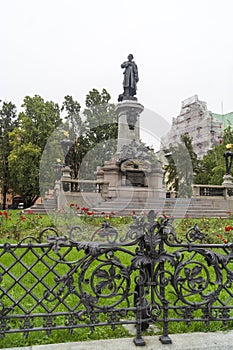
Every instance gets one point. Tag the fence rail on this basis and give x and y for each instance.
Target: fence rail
(145, 276)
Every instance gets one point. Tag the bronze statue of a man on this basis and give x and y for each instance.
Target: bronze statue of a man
(130, 79)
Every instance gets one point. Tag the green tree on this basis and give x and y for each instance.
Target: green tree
(35, 124)
(182, 166)
(75, 127)
(24, 163)
(212, 166)
(7, 124)
(74, 123)
(100, 131)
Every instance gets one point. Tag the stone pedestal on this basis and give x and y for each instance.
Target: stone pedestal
(227, 180)
(134, 174)
(128, 113)
(112, 176)
(155, 179)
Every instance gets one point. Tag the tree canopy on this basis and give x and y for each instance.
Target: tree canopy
(100, 131)
(7, 124)
(30, 141)
(212, 166)
(30, 144)
(182, 166)
(35, 123)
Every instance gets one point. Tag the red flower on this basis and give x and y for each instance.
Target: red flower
(133, 212)
(90, 213)
(228, 228)
(71, 204)
(102, 212)
(165, 216)
(112, 213)
(0, 213)
(30, 211)
(222, 239)
(5, 214)
(84, 209)
(22, 218)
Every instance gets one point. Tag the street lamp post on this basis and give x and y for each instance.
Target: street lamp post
(57, 168)
(66, 145)
(228, 155)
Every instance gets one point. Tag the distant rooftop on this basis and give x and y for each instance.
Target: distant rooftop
(225, 119)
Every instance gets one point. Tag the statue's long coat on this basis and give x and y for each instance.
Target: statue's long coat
(130, 75)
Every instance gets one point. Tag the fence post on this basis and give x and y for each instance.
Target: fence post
(165, 339)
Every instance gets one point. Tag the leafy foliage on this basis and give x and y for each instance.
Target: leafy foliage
(181, 167)
(73, 119)
(100, 131)
(212, 166)
(7, 124)
(35, 124)
(24, 139)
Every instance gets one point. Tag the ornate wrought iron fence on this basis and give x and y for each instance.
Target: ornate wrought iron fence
(148, 275)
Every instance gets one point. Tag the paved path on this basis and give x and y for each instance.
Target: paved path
(188, 341)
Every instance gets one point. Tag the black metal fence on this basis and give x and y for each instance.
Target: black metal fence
(146, 276)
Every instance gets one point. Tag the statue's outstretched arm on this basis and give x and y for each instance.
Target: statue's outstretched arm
(124, 64)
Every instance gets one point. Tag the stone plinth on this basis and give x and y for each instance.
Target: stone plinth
(112, 175)
(128, 113)
(227, 180)
(134, 178)
(155, 178)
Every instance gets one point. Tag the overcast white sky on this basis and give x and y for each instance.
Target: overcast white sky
(59, 47)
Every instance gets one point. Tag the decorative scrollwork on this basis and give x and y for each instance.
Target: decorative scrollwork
(5, 310)
(193, 277)
(49, 324)
(57, 242)
(105, 232)
(148, 275)
(26, 324)
(48, 231)
(194, 234)
(109, 279)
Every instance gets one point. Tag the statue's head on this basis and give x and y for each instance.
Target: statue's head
(130, 57)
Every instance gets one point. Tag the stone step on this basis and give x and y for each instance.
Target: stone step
(175, 214)
(177, 207)
(42, 208)
(153, 206)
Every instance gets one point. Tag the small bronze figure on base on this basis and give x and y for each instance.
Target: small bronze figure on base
(130, 80)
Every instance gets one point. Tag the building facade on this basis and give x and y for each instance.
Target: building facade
(199, 123)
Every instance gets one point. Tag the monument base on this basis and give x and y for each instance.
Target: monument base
(128, 113)
(132, 182)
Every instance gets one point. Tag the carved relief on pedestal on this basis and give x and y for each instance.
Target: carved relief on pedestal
(136, 165)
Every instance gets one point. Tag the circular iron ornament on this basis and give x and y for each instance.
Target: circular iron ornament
(109, 280)
(193, 277)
